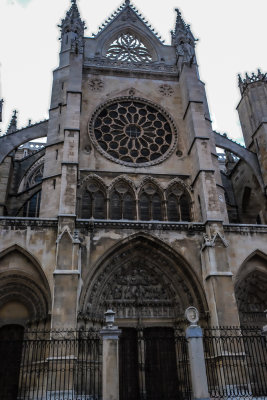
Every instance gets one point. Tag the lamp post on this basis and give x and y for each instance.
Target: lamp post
(110, 319)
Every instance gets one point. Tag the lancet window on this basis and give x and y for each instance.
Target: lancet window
(150, 203)
(178, 204)
(122, 202)
(93, 204)
(31, 208)
(128, 48)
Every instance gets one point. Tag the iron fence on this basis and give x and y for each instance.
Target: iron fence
(58, 365)
(236, 363)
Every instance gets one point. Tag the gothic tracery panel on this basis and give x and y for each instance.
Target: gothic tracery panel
(127, 47)
(133, 132)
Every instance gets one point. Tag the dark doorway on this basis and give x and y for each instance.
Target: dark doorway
(148, 365)
(11, 340)
(128, 356)
(160, 365)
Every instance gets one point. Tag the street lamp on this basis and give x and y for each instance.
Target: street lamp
(109, 318)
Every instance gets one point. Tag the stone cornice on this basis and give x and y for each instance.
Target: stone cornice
(141, 225)
(245, 228)
(191, 227)
(21, 222)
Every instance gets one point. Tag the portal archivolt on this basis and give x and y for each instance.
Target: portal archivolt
(142, 280)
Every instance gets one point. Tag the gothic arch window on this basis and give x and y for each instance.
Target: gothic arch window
(31, 208)
(93, 202)
(128, 47)
(36, 177)
(122, 202)
(178, 204)
(150, 203)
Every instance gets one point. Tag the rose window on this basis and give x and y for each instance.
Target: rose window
(133, 133)
(129, 48)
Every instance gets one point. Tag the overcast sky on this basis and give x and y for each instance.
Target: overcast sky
(231, 33)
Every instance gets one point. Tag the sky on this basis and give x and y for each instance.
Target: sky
(231, 33)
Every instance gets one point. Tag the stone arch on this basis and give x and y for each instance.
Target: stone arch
(142, 278)
(251, 288)
(246, 155)
(23, 285)
(14, 140)
(124, 179)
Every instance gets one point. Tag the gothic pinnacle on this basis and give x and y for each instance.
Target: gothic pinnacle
(13, 123)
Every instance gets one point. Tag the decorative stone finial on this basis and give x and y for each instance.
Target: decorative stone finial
(72, 22)
(72, 28)
(13, 123)
(127, 2)
(183, 40)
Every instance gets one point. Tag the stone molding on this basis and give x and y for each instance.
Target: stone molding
(193, 227)
(153, 67)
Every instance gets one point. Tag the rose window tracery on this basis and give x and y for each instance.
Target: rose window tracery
(133, 132)
(127, 47)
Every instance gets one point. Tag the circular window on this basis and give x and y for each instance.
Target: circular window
(133, 132)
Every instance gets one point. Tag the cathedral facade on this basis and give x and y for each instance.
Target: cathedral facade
(129, 206)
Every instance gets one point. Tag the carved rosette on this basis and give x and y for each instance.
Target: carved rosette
(166, 90)
(96, 85)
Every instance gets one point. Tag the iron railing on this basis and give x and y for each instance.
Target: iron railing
(236, 363)
(58, 365)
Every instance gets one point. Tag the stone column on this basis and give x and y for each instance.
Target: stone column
(264, 329)
(196, 356)
(110, 383)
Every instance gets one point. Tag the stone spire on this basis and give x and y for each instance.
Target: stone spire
(13, 123)
(72, 29)
(183, 40)
(72, 22)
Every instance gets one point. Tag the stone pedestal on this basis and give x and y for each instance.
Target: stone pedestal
(197, 363)
(110, 385)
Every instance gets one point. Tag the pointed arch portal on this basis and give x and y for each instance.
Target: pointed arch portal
(251, 288)
(142, 279)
